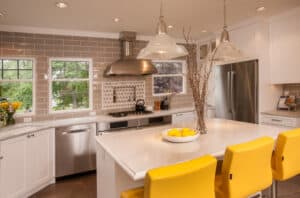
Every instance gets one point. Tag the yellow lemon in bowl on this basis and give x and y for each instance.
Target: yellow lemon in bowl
(174, 133)
(184, 132)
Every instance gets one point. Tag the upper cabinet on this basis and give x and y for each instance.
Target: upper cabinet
(285, 48)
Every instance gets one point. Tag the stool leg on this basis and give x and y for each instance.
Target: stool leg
(274, 189)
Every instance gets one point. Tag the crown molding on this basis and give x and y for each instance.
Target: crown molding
(68, 32)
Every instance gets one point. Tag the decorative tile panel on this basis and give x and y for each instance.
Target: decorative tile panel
(122, 94)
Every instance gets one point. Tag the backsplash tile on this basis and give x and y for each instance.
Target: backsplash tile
(102, 51)
(293, 89)
(122, 94)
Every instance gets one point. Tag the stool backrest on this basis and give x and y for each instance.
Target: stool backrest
(286, 158)
(190, 179)
(247, 168)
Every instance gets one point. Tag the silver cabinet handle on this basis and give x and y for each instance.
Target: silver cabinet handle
(1, 157)
(276, 120)
(30, 135)
(75, 131)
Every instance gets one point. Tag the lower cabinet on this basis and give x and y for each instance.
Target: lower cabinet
(27, 163)
(13, 167)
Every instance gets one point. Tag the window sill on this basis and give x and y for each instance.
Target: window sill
(51, 112)
(22, 115)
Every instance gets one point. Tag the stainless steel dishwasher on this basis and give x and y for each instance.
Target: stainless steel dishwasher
(75, 150)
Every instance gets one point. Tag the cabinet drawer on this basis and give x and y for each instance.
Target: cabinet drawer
(279, 121)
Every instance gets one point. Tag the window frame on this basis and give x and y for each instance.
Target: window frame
(183, 74)
(33, 80)
(90, 80)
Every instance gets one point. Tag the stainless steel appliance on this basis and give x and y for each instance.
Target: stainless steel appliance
(128, 65)
(236, 91)
(75, 150)
(116, 126)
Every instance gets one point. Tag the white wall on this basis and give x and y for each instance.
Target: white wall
(285, 47)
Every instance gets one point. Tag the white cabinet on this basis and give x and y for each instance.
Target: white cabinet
(280, 121)
(179, 118)
(40, 159)
(13, 167)
(27, 163)
(285, 47)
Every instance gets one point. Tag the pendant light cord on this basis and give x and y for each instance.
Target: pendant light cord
(161, 8)
(225, 15)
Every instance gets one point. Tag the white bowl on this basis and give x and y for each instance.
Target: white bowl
(178, 139)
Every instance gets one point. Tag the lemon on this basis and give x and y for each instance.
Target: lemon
(174, 133)
(187, 132)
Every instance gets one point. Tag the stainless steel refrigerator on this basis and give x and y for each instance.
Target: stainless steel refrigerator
(236, 91)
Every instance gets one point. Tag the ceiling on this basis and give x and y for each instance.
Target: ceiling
(136, 15)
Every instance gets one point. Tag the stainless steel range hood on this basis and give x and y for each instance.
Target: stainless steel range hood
(128, 65)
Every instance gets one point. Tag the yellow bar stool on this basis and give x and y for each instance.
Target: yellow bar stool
(246, 169)
(192, 179)
(286, 157)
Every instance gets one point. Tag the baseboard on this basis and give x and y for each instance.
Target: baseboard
(35, 190)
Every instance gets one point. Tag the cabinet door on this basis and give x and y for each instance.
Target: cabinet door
(13, 167)
(40, 159)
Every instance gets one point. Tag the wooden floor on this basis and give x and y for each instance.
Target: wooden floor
(84, 186)
(81, 186)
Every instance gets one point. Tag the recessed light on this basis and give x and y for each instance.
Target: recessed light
(204, 31)
(260, 9)
(61, 5)
(170, 26)
(116, 20)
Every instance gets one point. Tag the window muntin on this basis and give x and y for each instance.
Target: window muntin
(70, 86)
(171, 77)
(17, 82)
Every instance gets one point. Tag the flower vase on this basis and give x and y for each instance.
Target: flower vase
(10, 118)
(200, 119)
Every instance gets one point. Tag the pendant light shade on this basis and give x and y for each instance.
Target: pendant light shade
(162, 46)
(226, 50)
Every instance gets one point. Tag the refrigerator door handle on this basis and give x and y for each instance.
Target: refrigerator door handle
(232, 105)
(228, 94)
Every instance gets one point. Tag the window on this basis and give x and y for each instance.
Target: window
(70, 86)
(171, 77)
(17, 82)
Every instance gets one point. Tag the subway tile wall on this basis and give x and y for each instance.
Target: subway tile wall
(102, 51)
(293, 89)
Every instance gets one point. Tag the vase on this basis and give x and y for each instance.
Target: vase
(10, 118)
(200, 120)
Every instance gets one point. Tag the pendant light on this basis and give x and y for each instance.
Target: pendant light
(162, 46)
(226, 51)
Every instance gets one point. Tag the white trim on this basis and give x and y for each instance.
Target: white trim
(183, 74)
(70, 32)
(284, 14)
(33, 80)
(90, 79)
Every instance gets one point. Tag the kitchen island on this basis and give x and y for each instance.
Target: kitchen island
(123, 158)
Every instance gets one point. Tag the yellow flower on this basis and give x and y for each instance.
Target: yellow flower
(4, 105)
(16, 105)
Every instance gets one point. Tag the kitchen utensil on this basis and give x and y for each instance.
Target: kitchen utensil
(140, 105)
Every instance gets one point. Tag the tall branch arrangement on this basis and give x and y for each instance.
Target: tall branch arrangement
(198, 75)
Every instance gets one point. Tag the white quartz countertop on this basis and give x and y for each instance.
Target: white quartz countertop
(292, 114)
(25, 128)
(137, 151)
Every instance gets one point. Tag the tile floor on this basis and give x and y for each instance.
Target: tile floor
(84, 186)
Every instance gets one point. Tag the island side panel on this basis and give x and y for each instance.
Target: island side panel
(111, 178)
